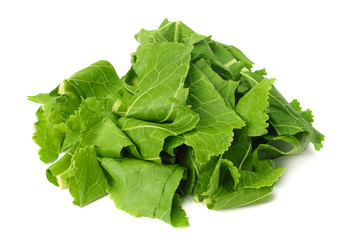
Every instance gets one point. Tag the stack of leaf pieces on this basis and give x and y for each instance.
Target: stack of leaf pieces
(189, 117)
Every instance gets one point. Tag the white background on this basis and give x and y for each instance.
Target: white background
(310, 47)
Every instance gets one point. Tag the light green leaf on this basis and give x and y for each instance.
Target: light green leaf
(161, 69)
(146, 36)
(130, 83)
(213, 134)
(44, 98)
(55, 111)
(149, 137)
(250, 179)
(238, 198)
(46, 135)
(170, 32)
(71, 128)
(88, 182)
(97, 80)
(307, 114)
(60, 171)
(239, 55)
(204, 173)
(99, 128)
(219, 58)
(178, 215)
(167, 32)
(225, 175)
(194, 38)
(226, 88)
(240, 149)
(283, 117)
(187, 159)
(146, 189)
(286, 145)
(253, 108)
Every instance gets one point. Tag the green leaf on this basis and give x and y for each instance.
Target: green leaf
(161, 69)
(225, 88)
(307, 114)
(170, 32)
(204, 174)
(88, 182)
(46, 135)
(250, 179)
(216, 120)
(194, 38)
(228, 186)
(97, 80)
(146, 36)
(167, 32)
(147, 189)
(240, 149)
(71, 128)
(171, 143)
(239, 198)
(60, 171)
(261, 72)
(286, 145)
(239, 56)
(99, 128)
(219, 58)
(178, 215)
(55, 111)
(283, 117)
(149, 137)
(44, 98)
(253, 108)
(186, 158)
(225, 175)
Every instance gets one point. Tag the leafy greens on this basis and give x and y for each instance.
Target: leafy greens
(189, 117)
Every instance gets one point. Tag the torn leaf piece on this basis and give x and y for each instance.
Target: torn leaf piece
(253, 108)
(225, 175)
(283, 117)
(46, 135)
(147, 189)
(307, 114)
(277, 146)
(97, 80)
(170, 32)
(161, 70)
(226, 88)
(88, 182)
(238, 198)
(214, 131)
(60, 171)
(240, 150)
(250, 179)
(149, 137)
(55, 111)
(99, 128)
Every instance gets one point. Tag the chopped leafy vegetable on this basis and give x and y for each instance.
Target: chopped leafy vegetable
(189, 117)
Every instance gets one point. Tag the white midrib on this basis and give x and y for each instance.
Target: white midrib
(247, 153)
(148, 126)
(257, 199)
(250, 202)
(230, 63)
(172, 104)
(176, 34)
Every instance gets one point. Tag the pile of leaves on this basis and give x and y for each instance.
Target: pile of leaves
(189, 117)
